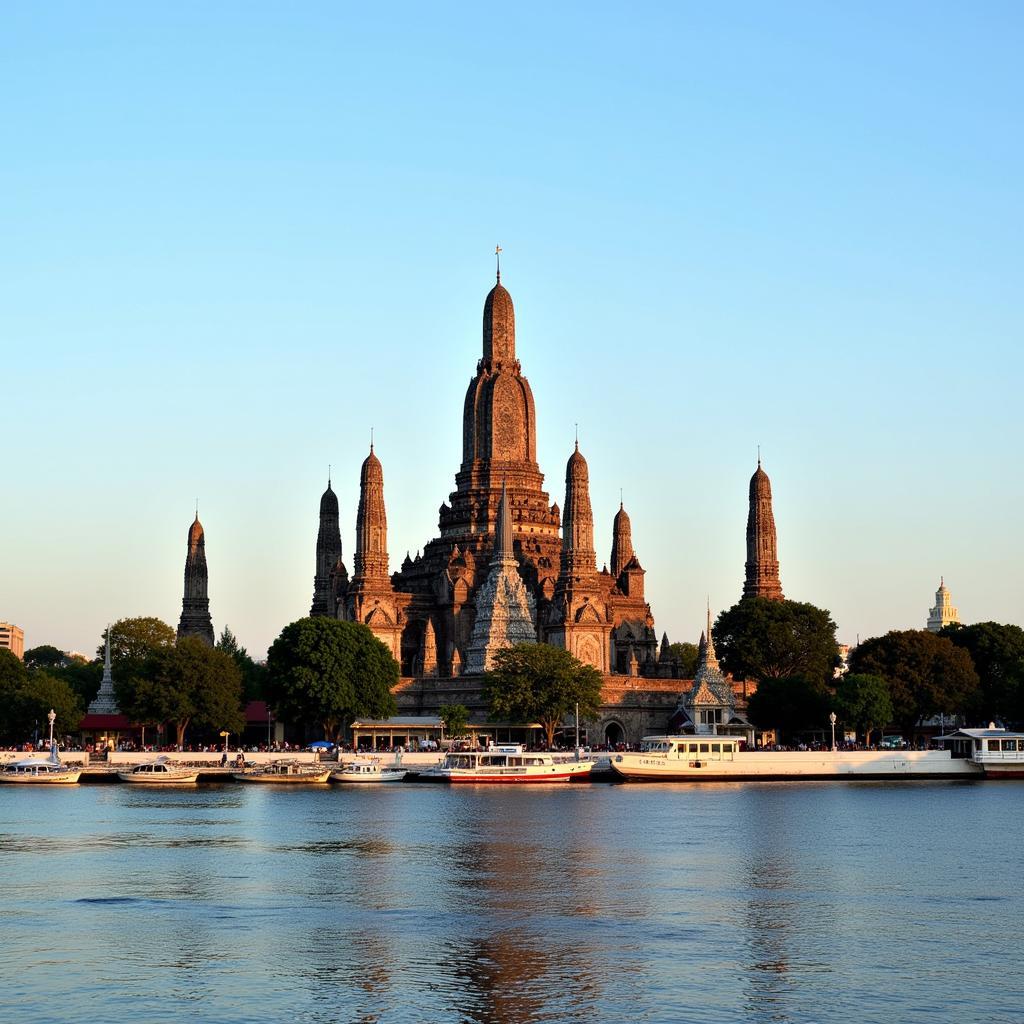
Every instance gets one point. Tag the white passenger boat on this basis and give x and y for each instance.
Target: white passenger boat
(510, 765)
(723, 759)
(284, 773)
(39, 772)
(159, 773)
(997, 752)
(367, 770)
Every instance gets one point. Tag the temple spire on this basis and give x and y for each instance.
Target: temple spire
(578, 554)
(328, 552)
(371, 557)
(762, 566)
(503, 548)
(195, 603)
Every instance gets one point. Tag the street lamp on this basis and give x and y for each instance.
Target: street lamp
(832, 722)
(51, 718)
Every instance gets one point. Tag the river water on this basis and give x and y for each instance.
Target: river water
(711, 903)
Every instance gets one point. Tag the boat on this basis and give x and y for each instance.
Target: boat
(40, 772)
(159, 773)
(707, 758)
(511, 765)
(996, 752)
(367, 770)
(284, 773)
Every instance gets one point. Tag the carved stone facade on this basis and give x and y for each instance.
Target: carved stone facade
(601, 617)
(195, 605)
(762, 568)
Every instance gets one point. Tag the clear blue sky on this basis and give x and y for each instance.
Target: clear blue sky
(233, 236)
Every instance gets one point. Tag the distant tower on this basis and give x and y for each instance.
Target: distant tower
(622, 542)
(943, 614)
(104, 703)
(505, 610)
(328, 553)
(580, 620)
(762, 551)
(195, 604)
(370, 597)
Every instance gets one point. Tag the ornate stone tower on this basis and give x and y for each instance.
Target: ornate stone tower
(762, 568)
(578, 615)
(370, 598)
(505, 610)
(105, 703)
(943, 613)
(328, 554)
(195, 605)
(622, 541)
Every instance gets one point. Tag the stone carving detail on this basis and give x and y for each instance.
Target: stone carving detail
(506, 612)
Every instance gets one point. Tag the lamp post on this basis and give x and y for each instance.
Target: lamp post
(51, 718)
(832, 722)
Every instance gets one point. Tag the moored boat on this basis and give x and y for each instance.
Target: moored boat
(39, 772)
(995, 751)
(367, 771)
(722, 759)
(284, 773)
(159, 773)
(512, 765)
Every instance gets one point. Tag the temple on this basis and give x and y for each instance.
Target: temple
(943, 614)
(195, 603)
(762, 568)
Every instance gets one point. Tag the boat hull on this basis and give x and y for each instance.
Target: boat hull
(789, 766)
(313, 779)
(63, 779)
(563, 774)
(141, 780)
(348, 779)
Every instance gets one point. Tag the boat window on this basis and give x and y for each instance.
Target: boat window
(993, 744)
(716, 748)
(703, 748)
(693, 748)
(1009, 744)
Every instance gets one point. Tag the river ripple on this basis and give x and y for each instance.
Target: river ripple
(712, 903)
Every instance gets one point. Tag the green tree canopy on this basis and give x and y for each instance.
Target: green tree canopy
(455, 718)
(790, 706)
(686, 655)
(541, 683)
(863, 703)
(188, 684)
(998, 655)
(134, 641)
(328, 671)
(26, 697)
(44, 656)
(254, 677)
(763, 639)
(926, 674)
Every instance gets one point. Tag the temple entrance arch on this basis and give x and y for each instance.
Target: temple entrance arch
(614, 734)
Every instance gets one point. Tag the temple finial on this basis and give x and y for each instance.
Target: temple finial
(497, 259)
(758, 456)
(371, 440)
(328, 474)
(197, 510)
(577, 437)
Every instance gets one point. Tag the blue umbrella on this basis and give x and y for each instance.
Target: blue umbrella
(321, 745)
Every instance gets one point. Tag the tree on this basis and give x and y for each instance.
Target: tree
(455, 718)
(12, 677)
(133, 641)
(44, 656)
(863, 702)
(41, 693)
(686, 655)
(328, 671)
(998, 655)
(790, 706)
(926, 674)
(188, 684)
(254, 676)
(541, 683)
(763, 639)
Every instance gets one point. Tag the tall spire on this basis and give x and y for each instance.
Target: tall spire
(762, 566)
(578, 554)
(503, 531)
(195, 603)
(328, 552)
(497, 258)
(105, 703)
(622, 541)
(499, 326)
(371, 557)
